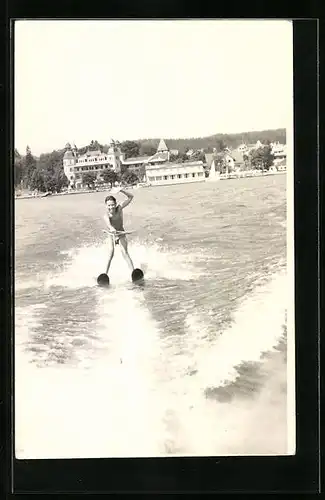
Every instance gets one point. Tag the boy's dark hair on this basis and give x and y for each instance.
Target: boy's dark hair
(110, 198)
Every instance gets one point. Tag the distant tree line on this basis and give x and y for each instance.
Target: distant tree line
(127, 177)
(46, 173)
(215, 143)
(42, 174)
(232, 141)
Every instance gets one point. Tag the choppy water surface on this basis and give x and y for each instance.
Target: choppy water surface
(193, 363)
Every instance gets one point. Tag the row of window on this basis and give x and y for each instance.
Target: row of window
(82, 160)
(95, 167)
(175, 176)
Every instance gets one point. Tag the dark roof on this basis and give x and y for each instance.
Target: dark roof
(94, 153)
(159, 157)
(136, 159)
(237, 156)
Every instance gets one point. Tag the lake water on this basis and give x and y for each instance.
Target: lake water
(192, 363)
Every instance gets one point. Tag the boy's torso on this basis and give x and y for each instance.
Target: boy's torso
(117, 219)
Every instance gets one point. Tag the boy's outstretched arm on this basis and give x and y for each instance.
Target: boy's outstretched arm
(129, 196)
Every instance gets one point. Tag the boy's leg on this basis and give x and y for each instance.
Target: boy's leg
(125, 253)
(110, 253)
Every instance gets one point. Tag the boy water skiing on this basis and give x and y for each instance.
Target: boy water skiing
(114, 222)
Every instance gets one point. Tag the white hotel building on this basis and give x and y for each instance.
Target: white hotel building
(75, 165)
(159, 171)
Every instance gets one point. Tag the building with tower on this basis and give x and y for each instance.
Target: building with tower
(75, 165)
(161, 156)
(155, 169)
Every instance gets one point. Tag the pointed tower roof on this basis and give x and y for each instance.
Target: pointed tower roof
(68, 155)
(162, 146)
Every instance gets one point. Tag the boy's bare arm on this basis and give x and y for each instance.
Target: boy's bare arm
(126, 202)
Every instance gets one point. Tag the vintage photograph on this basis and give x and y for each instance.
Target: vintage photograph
(154, 248)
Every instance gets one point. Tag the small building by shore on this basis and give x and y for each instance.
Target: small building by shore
(175, 173)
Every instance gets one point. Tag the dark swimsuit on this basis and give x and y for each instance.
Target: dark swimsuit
(119, 224)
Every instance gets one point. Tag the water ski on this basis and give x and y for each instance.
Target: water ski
(137, 275)
(117, 233)
(103, 280)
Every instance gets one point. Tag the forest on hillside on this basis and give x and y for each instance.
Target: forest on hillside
(208, 143)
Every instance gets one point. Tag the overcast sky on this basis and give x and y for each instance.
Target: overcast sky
(81, 80)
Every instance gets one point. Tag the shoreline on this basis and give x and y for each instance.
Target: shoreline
(222, 177)
(64, 193)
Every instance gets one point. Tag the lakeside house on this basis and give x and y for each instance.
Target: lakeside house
(227, 161)
(243, 148)
(281, 165)
(279, 151)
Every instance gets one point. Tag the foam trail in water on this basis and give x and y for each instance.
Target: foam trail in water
(256, 328)
(88, 262)
(129, 370)
(142, 394)
(110, 405)
(209, 427)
